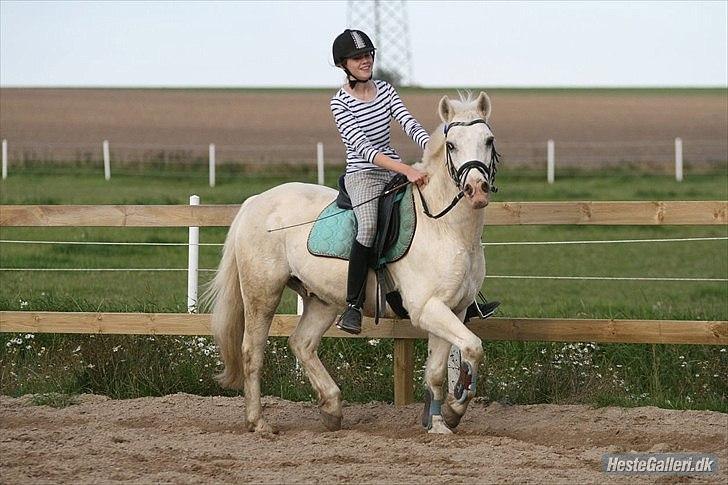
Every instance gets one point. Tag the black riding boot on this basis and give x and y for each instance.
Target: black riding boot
(350, 320)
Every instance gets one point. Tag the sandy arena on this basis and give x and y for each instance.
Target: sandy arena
(190, 439)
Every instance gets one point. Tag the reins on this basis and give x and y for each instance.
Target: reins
(447, 209)
(383, 194)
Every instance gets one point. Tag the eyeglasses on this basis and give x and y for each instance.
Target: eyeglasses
(362, 56)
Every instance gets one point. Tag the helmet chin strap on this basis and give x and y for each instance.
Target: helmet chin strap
(353, 80)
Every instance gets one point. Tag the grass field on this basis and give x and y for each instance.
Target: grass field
(672, 376)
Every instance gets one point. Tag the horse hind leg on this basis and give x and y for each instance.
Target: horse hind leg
(260, 302)
(304, 341)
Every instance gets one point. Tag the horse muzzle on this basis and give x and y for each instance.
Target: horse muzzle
(477, 193)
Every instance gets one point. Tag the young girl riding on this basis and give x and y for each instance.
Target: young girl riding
(363, 109)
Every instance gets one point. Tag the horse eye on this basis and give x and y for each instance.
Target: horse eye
(450, 146)
(489, 141)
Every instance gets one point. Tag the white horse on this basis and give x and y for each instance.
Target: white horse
(437, 279)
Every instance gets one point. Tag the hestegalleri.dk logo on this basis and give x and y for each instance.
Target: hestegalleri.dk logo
(665, 463)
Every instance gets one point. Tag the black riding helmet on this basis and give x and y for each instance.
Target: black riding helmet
(351, 43)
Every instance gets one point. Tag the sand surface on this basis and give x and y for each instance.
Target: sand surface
(190, 439)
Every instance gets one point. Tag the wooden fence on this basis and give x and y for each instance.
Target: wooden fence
(506, 213)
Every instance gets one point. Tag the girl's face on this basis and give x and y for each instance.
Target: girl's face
(361, 65)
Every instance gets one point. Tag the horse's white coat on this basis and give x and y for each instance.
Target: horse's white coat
(438, 278)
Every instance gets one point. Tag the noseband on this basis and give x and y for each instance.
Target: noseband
(459, 175)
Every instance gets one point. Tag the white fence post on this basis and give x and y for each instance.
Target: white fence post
(678, 159)
(107, 160)
(192, 262)
(550, 161)
(320, 164)
(5, 159)
(320, 161)
(212, 164)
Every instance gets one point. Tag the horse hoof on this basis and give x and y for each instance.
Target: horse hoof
(261, 427)
(425, 416)
(439, 426)
(331, 421)
(450, 416)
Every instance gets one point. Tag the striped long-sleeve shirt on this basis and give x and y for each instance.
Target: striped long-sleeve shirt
(364, 125)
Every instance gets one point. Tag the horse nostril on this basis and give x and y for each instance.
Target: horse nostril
(484, 186)
(468, 190)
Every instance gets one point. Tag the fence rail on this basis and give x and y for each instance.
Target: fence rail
(507, 213)
(526, 329)
(497, 214)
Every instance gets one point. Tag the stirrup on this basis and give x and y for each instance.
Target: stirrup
(482, 310)
(350, 320)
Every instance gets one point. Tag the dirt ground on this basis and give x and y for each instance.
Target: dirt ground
(284, 125)
(190, 439)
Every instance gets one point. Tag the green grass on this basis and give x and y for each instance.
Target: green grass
(681, 376)
(54, 400)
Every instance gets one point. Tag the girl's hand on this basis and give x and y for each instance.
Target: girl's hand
(417, 177)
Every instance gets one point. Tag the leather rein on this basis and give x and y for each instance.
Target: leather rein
(459, 175)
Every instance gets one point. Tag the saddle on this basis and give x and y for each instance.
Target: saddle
(333, 234)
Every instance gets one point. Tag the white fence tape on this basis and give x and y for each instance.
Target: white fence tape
(504, 243)
(524, 277)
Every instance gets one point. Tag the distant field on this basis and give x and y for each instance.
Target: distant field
(267, 125)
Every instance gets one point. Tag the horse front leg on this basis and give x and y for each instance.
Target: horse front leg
(447, 329)
(435, 374)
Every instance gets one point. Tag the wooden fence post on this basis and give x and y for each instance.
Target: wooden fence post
(404, 371)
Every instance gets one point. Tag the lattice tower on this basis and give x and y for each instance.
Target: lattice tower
(387, 23)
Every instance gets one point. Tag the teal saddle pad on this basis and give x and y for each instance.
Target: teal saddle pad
(335, 229)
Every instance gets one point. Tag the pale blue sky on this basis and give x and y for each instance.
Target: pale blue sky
(277, 43)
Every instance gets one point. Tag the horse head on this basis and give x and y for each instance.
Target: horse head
(466, 142)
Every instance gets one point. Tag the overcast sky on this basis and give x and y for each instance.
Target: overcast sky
(277, 43)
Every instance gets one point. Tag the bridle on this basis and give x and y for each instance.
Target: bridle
(459, 175)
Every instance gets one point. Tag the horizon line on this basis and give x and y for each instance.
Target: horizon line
(303, 88)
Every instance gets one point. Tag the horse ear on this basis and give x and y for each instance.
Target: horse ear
(445, 110)
(483, 103)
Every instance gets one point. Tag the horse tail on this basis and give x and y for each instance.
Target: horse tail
(228, 316)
